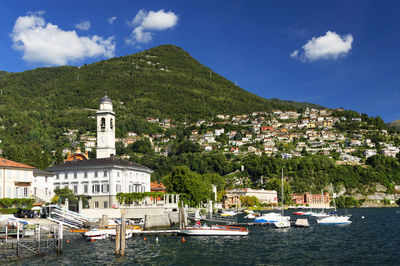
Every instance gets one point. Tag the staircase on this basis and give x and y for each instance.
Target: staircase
(68, 218)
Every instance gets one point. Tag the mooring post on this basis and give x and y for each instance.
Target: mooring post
(60, 238)
(117, 239)
(18, 239)
(123, 233)
(6, 232)
(38, 239)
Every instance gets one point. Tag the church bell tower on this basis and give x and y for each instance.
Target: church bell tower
(105, 129)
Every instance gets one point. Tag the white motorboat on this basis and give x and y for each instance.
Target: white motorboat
(228, 213)
(250, 216)
(334, 220)
(284, 222)
(270, 218)
(215, 230)
(97, 234)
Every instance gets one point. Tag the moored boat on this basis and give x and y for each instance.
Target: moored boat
(215, 230)
(302, 222)
(269, 218)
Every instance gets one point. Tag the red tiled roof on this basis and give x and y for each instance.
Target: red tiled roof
(8, 163)
(154, 186)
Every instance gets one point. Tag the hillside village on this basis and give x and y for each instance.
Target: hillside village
(348, 140)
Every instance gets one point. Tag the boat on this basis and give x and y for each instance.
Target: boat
(98, 234)
(250, 216)
(298, 213)
(269, 218)
(334, 219)
(228, 213)
(302, 222)
(284, 221)
(215, 230)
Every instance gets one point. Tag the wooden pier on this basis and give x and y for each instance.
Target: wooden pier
(27, 242)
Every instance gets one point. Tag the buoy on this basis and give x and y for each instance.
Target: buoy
(183, 239)
(68, 241)
(156, 239)
(92, 240)
(362, 217)
(144, 239)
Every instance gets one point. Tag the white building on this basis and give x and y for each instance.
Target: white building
(42, 186)
(15, 179)
(102, 178)
(263, 196)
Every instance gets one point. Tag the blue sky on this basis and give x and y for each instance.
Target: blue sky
(332, 53)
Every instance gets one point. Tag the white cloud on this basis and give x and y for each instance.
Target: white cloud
(329, 46)
(50, 45)
(111, 20)
(146, 22)
(84, 25)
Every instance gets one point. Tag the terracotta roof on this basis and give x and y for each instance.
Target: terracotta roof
(154, 186)
(8, 163)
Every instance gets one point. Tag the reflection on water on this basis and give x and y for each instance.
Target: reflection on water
(372, 240)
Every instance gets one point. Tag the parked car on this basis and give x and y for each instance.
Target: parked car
(21, 213)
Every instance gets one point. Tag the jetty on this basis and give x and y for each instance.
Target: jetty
(20, 240)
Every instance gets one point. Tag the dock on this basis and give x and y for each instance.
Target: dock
(172, 232)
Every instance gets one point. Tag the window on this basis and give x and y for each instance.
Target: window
(25, 192)
(86, 175)
(47, 192)
(66, 176)
(96, 204)
(104, 188)
(45, 179)
(75, 175)
(57, 176)
(96, 174)
(117, 174)
(105, 204)
(85, 188)
(105, 174)
(16, 192)
(103, 124)
(111, 123)
(96, 188)
(75, 189)
(118, 188)
(34, 191)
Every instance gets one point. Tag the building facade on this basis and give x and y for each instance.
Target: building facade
(101, 179)
(15, 179)
(232, 196)
(42, 185)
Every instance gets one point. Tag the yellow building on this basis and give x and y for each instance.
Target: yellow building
(15, 179)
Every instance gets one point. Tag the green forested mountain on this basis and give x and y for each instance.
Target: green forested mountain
(37, 106)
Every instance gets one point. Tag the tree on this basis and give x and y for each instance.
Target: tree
(65, 193)
(276, 184)
(189, 185)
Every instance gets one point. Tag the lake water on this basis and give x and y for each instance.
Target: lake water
(374, 240)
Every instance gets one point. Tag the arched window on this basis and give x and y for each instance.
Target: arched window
(111, 123)
(103, 124)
